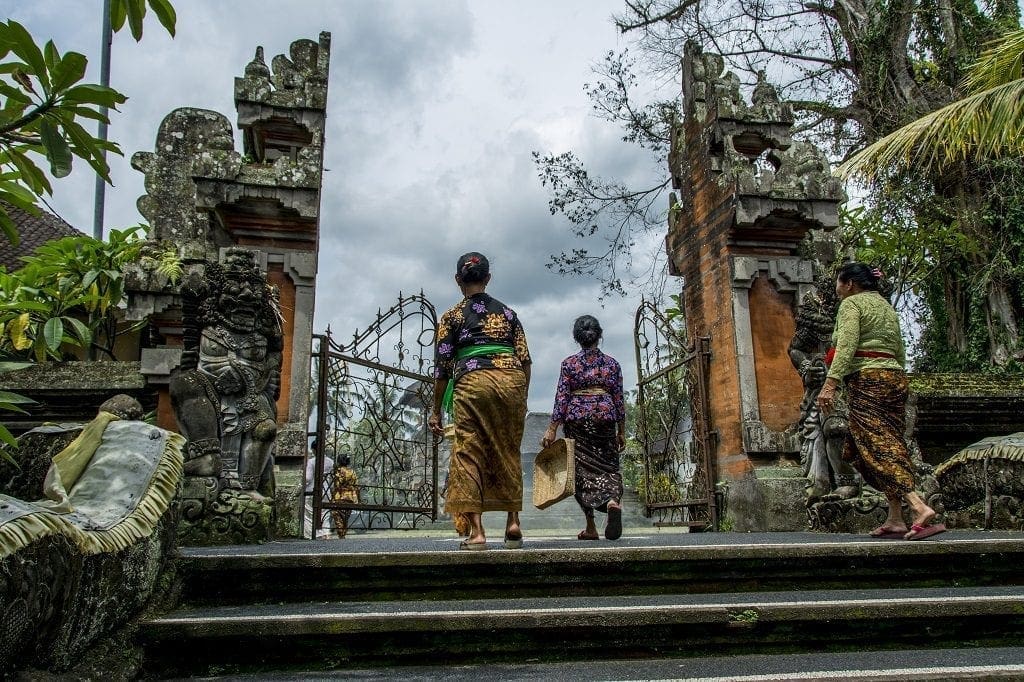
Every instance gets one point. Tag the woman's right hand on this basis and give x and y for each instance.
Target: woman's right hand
(434, 422)
(550, 436)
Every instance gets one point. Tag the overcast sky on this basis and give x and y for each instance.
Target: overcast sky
(434, 109)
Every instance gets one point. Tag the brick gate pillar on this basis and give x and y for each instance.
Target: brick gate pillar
(748, 194)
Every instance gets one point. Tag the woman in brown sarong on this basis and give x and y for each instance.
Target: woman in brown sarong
(591, 409)
(482, 371)
(868, 356)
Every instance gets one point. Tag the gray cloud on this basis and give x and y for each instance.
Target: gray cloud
(434, 109)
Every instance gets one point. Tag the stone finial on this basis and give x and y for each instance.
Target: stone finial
(258, 68)
(764, 92)
(296, 80)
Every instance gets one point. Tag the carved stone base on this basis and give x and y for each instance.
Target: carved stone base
(227, 517)
(857, 515)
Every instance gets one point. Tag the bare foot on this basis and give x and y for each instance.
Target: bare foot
(888, 530)
(588, 535)
(925, 517)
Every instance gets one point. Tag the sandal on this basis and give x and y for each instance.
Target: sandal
(884, 533)
(584, 535)
(472, 546)
(613, 529)
(920, 532)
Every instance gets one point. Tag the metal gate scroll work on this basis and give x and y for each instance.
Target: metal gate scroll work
(373, 399)
(672, 422)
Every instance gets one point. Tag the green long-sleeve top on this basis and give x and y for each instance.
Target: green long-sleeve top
(866, 321)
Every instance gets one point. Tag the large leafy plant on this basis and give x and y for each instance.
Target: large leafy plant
(67, 294)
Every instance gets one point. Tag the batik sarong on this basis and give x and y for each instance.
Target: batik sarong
(485, 472)
(598, 478)
(875, 447)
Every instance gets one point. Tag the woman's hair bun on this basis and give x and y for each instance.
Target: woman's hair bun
(472, 267)
(586, 330)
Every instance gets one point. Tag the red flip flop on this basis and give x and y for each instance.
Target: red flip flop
(919, 532)
(887, 534)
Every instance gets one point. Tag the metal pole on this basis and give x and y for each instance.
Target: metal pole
(101, 185)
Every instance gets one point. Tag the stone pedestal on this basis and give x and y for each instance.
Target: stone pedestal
(222, 518)
(785, 506)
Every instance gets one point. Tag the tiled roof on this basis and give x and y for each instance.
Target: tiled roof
(34, 231)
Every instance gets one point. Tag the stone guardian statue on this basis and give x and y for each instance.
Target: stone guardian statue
(224, 392)
(821, 438)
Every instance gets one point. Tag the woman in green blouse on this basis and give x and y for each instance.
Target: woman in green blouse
(868, 356)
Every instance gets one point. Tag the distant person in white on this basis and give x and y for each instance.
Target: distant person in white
(327, 528)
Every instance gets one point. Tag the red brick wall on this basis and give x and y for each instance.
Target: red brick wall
(779, 388)
(698, 247)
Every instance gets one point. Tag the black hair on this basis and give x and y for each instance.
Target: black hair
(472, 267)
(586, 330)
(860, 274)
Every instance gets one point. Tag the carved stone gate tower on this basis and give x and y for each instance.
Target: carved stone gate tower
(203, 196)
(748, 194)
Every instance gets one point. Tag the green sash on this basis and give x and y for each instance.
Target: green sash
(471, 352)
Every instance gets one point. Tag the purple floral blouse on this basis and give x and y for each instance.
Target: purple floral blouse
(477, 320)
(590, 368)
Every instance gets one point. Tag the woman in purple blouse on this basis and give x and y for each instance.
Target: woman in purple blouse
(590, 408)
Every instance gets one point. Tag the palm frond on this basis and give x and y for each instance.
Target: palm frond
(987, 123)
(999, 64)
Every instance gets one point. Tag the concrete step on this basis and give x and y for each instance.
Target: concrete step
(431, 568)
(874, 665)
(331, 635)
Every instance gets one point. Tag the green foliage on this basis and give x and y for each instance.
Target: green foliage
(747, 616)
(956, 262)
(43, 105)
(11, 402)
(134, 11)
(67, 293)
(163, 259)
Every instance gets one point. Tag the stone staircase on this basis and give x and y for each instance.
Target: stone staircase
(658, 599)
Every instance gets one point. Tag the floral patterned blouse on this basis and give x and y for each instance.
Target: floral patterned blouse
(590, 368)
(479, 319)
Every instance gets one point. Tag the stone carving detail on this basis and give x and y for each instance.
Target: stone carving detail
(224, 396)
(285, 102)
(189, 142)
(751, 145)
(802, 172)
(821, 437)
(298, 80)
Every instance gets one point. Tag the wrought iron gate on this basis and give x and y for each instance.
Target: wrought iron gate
(672, 422)
(373, 399)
